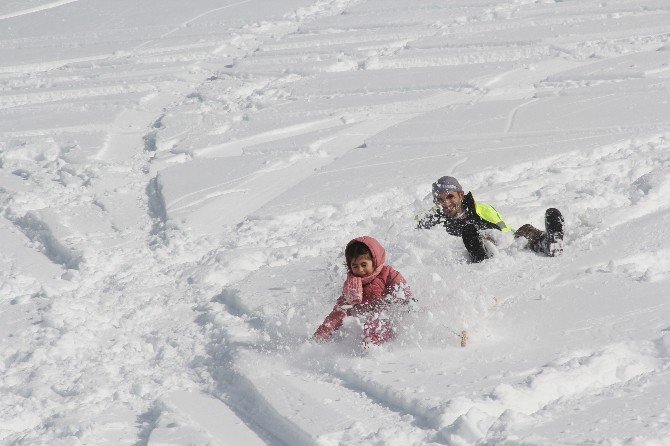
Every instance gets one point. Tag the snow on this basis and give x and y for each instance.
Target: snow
(178, 181)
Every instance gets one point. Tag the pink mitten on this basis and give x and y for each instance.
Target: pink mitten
(352, 290)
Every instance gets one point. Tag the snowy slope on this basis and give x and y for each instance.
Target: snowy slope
(178, 181)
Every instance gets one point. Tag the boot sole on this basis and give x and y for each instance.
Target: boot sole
(553, 222)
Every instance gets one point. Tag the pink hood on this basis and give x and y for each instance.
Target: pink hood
(377, 250)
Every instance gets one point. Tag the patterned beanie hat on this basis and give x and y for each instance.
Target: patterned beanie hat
(445, 184)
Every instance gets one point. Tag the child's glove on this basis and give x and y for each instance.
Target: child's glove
(322, 334)
(352, 291)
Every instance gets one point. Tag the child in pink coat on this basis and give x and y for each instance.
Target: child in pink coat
(371, 288)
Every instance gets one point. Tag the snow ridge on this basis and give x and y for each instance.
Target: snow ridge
(39, 232)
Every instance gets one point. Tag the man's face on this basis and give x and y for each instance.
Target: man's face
(451, 202)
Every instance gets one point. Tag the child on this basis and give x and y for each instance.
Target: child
(371, 287)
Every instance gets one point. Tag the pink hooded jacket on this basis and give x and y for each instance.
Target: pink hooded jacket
(380, 289)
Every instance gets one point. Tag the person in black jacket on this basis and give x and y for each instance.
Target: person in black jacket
(462, 216)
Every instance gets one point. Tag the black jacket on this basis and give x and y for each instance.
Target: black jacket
(474, 214)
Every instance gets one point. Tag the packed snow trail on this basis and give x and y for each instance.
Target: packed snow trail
(177, 187)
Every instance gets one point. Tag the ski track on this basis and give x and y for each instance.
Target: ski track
(513, 114)
(151, 292)
(40, 8)
(188, 22)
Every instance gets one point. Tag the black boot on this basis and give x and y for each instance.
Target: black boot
(552, 243)
(473, 242)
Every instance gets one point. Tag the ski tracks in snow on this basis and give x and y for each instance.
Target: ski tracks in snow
(40, 8)
(141, 307)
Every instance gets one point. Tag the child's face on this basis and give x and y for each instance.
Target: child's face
(362, 266)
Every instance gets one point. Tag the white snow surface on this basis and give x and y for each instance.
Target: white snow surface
(178, 181)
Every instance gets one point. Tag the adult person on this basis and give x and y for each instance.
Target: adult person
(463, 217)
